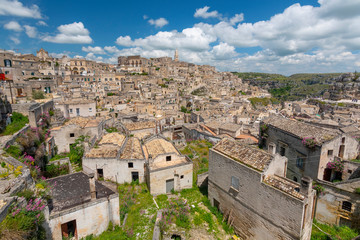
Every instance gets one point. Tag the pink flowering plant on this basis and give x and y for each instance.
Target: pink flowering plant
(336, 164)
(309, 142)
(177, 212)
(26, 217)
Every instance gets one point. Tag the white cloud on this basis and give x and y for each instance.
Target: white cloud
(41, 23)
(15, 40)
(203, 13)
(91, 56)
(16, 8)
(124, 41)
(190, 38)
(13, 26)
(237, 18)
(223, 51)
(160, 22)
(30, 31)
(95, 50)
(145, 17)
(58, 55)
(71, 33)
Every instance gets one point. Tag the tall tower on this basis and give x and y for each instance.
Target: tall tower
(176, 56)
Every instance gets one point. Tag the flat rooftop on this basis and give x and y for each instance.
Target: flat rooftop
(103, 151)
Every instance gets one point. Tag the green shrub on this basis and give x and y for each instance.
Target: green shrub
(357, 190)
(14, 150)
(38, 95)
(3, 164)
(27, 194)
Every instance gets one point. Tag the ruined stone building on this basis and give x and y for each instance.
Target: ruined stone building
(308, 148)
(249, 187)
(80, 206)
(166, 169)
(67, 134)
(117, 158)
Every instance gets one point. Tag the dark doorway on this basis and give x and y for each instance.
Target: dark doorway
(217, 204)
(169, 185)
(341, 151)
(176, 237)
(100, 173)
(68, 229)
(134, 176)
(327, 174)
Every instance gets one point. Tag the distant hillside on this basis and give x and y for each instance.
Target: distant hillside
(294, 87)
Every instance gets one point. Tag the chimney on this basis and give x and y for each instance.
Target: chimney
(92, 185)
(306, 186)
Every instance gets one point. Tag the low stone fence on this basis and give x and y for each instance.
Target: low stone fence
(11, 141)
(157, 232)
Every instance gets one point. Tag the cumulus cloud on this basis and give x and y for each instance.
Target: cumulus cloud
(13, 26)
(71, 33)
(124, 41)
(16, 8)
(41, 23)
(204, 13)
(190, 38)
(95, 50)
(301, 38)
(30, 31)
(237, 18)
(160, 22)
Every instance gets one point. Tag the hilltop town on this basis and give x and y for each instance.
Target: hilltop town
(159, 148)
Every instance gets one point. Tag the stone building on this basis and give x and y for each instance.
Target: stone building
(80, 206)
(167, 169)
(249, 187)
(77, 108)
(117, 158)
(67, 134)
(308, 148)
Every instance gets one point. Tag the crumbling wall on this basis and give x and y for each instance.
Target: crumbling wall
(256, 210)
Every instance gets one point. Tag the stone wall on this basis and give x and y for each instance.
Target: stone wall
(157, 178)
(36, 111)
(91, 218)
(329, 204)
(202, 180)
(258, 211)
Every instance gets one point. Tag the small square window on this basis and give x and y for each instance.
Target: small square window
(70, 110)
(330, 152)
(90, 109)
(72, 134)
(168, 158)
(182, 176)
(130, 165)
(300, 162)
(346, 206)
(235, 183)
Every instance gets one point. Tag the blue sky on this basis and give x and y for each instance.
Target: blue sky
(282, 36)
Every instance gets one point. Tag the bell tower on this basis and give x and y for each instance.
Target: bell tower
(176, 56)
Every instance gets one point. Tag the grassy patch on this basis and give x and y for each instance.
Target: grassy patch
(336, 232)
(198, 152)
(18, 121)
(137, 202)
